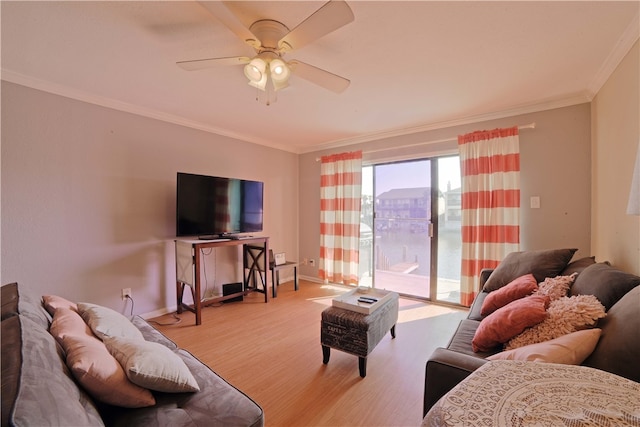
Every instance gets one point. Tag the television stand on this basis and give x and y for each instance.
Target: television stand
(188, 267)
(214, 238)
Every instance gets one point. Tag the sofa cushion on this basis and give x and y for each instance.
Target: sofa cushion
(476, 307)
(92, 364)
(565, 315)
(105, 322)
(37, 388)
(11, 361)
(508, 321)
(218, 404)
(21, 300)
(570, 349)
(516, 289)
(151, 334)
(608, 284)
(542, 264)
(461, 340)
(578, 265)
(9, 300)
(152, 365)
(619, 347)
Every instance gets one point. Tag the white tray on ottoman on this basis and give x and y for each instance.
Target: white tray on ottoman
(349, 300)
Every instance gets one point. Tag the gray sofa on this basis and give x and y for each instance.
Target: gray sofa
(617, 351)
(39, 389)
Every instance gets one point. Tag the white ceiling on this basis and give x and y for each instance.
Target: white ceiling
(414, 65)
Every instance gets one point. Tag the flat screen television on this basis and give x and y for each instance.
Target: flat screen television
(211, 206)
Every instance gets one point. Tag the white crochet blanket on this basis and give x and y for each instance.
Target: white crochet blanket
(514, 393)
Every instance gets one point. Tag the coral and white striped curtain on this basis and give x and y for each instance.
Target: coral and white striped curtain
(340, 198)
(490, 168)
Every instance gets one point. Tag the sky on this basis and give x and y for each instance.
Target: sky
(410, 174)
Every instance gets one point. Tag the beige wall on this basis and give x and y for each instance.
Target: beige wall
(88, 193)
(88, 198)
(616, 137)
(555, 165)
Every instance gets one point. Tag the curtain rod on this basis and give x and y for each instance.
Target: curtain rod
(435, 141)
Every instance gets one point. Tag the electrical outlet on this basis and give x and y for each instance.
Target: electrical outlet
(126, 292)
(312, 262)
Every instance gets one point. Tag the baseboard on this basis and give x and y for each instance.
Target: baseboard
(310, 279)
(173, 308)
(158, 313)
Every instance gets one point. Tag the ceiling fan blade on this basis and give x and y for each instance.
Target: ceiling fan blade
(231, 21)
(199, 64)
(320, 77)
(333, 15)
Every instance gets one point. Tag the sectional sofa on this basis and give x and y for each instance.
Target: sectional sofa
(615, 350)
(70, 380)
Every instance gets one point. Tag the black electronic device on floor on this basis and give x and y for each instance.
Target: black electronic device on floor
(232, 288)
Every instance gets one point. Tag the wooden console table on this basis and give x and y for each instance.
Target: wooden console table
(188, 266)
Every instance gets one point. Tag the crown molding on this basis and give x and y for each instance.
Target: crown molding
(68, 92)
(549, 104)
(72, 93)
(620, 50)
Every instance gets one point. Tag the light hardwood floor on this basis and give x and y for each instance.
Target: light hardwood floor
(272, 353)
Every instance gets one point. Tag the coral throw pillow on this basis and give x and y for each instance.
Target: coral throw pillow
(565, 315)
(51, 302)
(516, 289)
(509, 321)
(93, 366)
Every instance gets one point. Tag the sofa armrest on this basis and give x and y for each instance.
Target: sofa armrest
(445, 369)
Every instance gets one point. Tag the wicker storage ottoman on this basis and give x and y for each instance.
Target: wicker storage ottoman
(357, 333)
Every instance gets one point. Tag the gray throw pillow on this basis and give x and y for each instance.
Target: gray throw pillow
(578, 265)
(606, 283)
(619, 346)
(542, 264)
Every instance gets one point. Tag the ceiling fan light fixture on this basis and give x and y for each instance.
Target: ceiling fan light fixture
(260, 84)
(255, 70)
(280, 73)
(272, 39)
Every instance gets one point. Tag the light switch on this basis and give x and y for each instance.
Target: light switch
(535, 202)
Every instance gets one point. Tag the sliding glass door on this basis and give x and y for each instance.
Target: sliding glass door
(403, 217)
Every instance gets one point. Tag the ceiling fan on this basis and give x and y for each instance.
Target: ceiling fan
(271, 40)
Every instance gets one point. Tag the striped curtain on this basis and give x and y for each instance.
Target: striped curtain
(490, 168)
(340, 197)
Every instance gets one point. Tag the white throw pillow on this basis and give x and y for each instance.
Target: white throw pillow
(105, 322)
(570, 349)
(152, 365)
